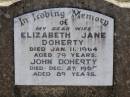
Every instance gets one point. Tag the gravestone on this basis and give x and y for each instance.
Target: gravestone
(64, 49)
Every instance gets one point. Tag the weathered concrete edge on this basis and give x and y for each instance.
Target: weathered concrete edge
(120, 4)
(8, 3)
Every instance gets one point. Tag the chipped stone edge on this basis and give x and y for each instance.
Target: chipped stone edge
(8, 3)
(120, 4)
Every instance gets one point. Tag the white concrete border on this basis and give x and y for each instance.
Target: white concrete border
(7, 3)
(120, 4)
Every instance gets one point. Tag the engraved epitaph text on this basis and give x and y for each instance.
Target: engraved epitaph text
(63, 46)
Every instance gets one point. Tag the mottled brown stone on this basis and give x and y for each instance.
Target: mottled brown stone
(121, 87)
